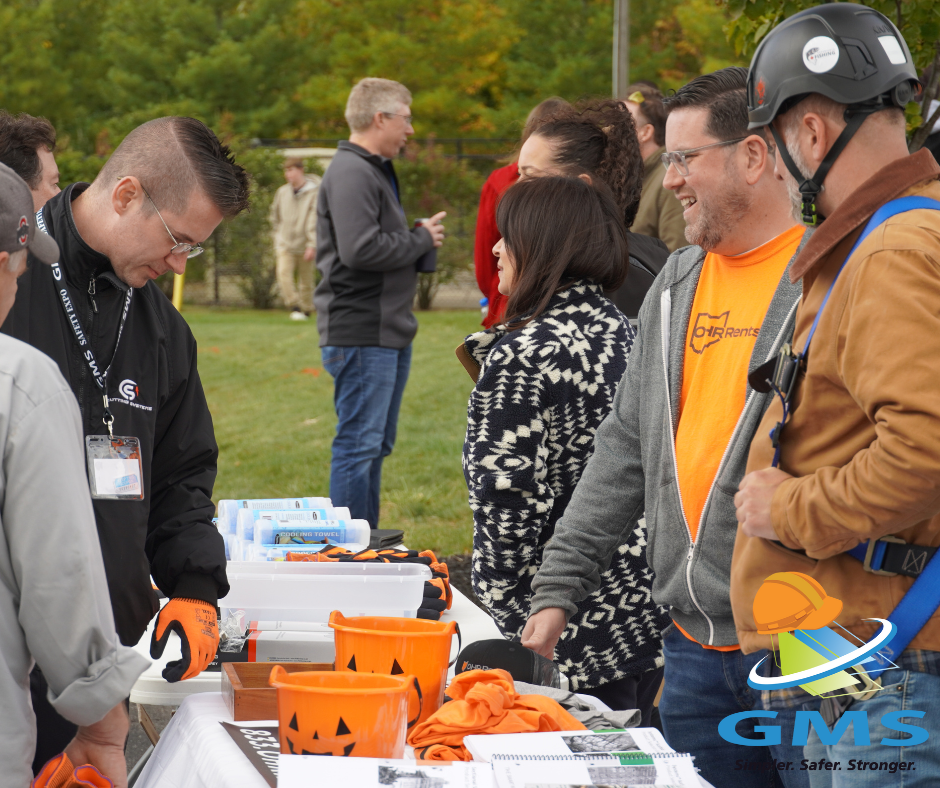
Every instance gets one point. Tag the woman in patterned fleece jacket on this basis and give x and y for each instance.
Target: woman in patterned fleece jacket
(544, 382)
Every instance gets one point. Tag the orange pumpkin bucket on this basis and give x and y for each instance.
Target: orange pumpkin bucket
(396, 646)
(327, 713)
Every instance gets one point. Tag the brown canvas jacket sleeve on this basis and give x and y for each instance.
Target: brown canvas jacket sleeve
(881, 355)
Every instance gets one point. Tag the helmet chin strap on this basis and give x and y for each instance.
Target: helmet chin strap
(811, 187)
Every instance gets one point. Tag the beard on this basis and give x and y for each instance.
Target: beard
(793, 188)
(717, 215)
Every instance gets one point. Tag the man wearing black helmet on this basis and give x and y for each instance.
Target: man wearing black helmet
(846, 489)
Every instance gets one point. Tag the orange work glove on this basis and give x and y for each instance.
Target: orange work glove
(196, 624)
(59, 773)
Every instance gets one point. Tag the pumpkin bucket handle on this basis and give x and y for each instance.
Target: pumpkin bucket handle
(459, 645)
(420, 703)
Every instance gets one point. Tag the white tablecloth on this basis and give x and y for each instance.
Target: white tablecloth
(152, 689)
(196, 752)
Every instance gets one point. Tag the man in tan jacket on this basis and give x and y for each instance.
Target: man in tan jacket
(659, 214)
(859, 453)
(294, 222)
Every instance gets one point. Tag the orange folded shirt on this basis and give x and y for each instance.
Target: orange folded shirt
(485, 701)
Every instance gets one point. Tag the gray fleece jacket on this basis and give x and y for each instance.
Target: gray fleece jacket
(633, 469)
(366, 253)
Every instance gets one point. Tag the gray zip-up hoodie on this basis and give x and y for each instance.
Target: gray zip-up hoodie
(633, 469)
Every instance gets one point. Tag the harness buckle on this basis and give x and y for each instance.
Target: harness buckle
(870, 552)
(869, 687)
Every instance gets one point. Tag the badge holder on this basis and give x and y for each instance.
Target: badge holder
(114, 467)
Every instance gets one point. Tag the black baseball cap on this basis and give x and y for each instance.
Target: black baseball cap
(18, 221)
(522, 663)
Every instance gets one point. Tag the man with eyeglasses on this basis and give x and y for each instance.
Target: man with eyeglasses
(368, 257)
(130, 360)
(676, 442)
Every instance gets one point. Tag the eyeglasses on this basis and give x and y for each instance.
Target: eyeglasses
(190, 250)
(680, 157)
(408, 118)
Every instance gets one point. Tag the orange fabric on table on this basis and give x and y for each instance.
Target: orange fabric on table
(730, 304)
(482, 702)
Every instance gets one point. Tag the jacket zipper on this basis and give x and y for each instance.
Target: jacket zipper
(724, 457)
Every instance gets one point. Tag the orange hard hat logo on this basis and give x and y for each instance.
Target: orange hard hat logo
(791, 600)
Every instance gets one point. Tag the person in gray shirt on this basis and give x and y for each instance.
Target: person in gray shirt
(54, 603)
(368, 256)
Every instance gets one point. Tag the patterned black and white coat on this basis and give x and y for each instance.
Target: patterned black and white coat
(541, 393)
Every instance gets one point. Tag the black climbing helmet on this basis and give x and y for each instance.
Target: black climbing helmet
(847, 52)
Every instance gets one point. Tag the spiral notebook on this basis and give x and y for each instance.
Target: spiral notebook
(623, 770)
(305, 771)
(485, 747)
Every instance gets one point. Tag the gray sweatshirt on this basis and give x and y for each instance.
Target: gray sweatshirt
(366, 254)
(633, 469)
(54, 603)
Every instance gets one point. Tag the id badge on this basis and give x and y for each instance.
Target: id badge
(114, 469)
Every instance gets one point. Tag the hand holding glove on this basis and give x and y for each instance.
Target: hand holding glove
(197, 626)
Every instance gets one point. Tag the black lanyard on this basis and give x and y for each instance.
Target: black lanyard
(71, 315)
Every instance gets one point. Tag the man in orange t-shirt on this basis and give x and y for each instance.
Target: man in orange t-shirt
(675, 445)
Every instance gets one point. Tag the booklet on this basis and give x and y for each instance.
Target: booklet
(484, 748)
(625, 770)
(303, 771)
(260, 744)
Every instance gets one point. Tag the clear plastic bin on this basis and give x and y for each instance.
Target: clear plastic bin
(282, 591)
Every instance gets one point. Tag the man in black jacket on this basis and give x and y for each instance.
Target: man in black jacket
(368, 257)
(130, 359)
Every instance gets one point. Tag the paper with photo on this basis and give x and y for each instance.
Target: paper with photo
(619, 771)
(483, 748)
(303, 771)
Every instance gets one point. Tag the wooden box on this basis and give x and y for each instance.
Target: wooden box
(246, 690)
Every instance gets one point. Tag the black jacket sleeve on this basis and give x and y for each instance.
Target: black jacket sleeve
(186, 551)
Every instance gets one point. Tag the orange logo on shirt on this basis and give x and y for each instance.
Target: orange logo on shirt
(709, 329)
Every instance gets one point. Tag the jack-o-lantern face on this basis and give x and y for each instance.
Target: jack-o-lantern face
(396, 669)
(341, 730)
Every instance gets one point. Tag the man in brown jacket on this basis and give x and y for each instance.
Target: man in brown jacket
(294, 223)
(859, 454)
(659, 214)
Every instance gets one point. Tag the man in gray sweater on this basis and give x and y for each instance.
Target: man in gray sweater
(368, 258)
(676, 442)
(54, 603)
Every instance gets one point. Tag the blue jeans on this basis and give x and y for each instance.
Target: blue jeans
(369, 383)
(702, 687)
(905, 689)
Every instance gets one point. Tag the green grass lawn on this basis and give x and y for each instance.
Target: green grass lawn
(272, 405)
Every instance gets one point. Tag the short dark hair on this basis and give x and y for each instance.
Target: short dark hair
(173, 156)
(542, 111)
(724, 94)
(599, 140)
(558, 230)
(651, 108)
(21, 136)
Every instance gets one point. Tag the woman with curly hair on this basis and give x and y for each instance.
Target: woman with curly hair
(545, 380)
(598, 142)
